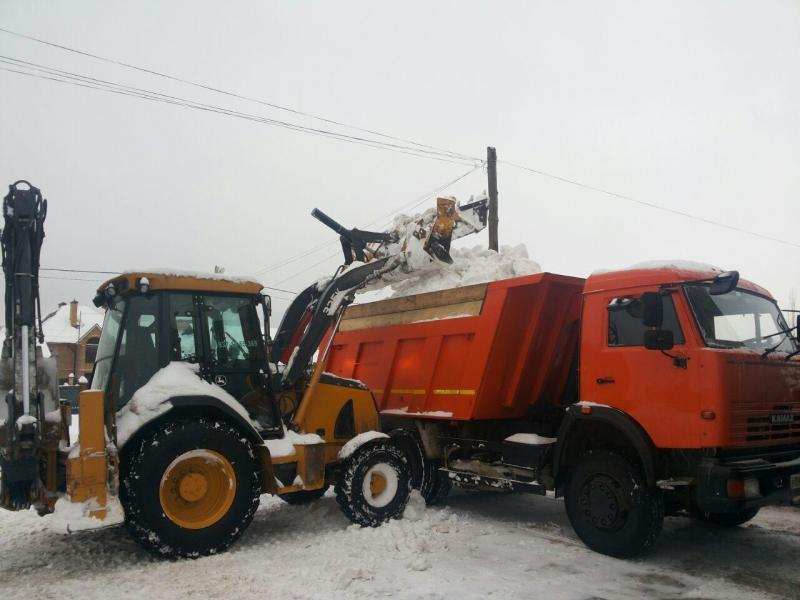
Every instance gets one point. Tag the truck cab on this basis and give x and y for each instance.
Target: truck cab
(714, 385)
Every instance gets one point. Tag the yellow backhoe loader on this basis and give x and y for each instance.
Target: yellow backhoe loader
(194, 411)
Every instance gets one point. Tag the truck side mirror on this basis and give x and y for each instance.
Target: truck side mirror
(724, 283)
(659, 339)
(653, 309)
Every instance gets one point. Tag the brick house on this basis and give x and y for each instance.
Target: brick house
(71, 333)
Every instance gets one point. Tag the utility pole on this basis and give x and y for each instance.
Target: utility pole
(491, 169)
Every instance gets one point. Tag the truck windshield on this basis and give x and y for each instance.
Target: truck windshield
(106, 345)
(739, 319)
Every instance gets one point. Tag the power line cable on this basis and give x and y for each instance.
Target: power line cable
(325, 244)
(653, 205)
(417, 200)
(342, 137)
(69, 270)
(227, 92)
(80, 80)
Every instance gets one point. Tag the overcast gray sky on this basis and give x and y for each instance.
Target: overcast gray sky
(692, 106)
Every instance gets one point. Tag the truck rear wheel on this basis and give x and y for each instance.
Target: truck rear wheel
(374, 484)
(727, 519)
(190, 488)
(436, 485)
(610, 506)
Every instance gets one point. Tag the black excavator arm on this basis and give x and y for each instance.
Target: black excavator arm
(24, 211)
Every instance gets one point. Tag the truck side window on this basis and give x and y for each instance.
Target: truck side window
(625, 326)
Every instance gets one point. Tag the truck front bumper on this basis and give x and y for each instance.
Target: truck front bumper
(731, 487)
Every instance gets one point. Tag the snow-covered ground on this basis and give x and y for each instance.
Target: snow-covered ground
(476, 546)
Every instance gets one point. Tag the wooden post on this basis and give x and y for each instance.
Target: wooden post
(491, 169)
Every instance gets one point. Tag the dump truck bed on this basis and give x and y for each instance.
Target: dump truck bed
(488, 351)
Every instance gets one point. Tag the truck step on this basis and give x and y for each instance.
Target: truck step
(471, 480)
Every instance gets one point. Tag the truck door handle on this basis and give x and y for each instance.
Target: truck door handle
(604, 380)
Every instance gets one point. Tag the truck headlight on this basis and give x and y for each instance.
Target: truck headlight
(751, 488)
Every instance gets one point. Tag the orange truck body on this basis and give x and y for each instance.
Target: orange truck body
(515, 353)
(492, 365)
(583, 387)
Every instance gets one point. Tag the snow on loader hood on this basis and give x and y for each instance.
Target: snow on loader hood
(152, 399)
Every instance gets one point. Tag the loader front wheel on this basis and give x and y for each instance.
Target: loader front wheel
(374, 484)
(611, 507)
(190, 487)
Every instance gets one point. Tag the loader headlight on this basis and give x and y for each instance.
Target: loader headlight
(143, 284)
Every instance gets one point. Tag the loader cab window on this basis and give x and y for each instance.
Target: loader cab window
(184, 336)
(137, 358)
(626, 326)
(107, 344)
(234, 338)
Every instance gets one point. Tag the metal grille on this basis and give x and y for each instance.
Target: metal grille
(764, 428)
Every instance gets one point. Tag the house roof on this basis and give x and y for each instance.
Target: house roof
(57, 329)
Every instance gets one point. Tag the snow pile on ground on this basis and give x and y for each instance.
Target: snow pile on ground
(470, 266)
(477, 546)
(151, 400)
(69, 517)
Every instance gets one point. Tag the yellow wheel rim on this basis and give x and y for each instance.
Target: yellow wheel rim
(197, 489)
(377, 484)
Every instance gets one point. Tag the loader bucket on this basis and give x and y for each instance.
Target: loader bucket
(441, 235)
(92, 475)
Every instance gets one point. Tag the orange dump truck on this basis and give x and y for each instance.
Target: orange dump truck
(634, 394)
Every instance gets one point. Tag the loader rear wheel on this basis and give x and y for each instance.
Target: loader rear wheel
(374, 484)
(610, 506)
(190, 487)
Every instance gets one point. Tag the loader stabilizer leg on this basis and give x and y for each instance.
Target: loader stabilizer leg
(92, 474)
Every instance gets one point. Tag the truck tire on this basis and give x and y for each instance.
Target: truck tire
(727, 519)
(436, 485)
(610, 506)
(433, 486)
(190, 487)
(303, 496)
(374, 484)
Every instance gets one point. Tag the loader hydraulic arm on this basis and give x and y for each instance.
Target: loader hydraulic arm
(313, 312)
(318, 307)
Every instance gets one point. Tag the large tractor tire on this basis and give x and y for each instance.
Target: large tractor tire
(374, 484)
(726, 519)
(190, 487)
(303, 496)
(611, 507)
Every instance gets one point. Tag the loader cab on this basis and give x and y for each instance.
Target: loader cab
(152, 320)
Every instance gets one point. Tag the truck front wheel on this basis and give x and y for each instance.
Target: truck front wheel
(374, 484)
(610, 506)
(190, 487)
